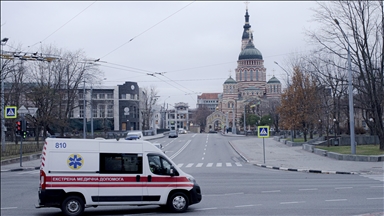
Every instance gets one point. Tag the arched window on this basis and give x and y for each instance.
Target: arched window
(241, 75)
(245, 75)
(251, 75)
(274, 88)
(257, 75)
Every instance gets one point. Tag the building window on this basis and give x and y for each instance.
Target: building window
(81, 96)
(257, 75)
(81, 111)
(110, 111)
(94, 96)
(240, 75)
(245, 75)
(101, 110)
(109, 96)
(102, 96)
(251, 75)
(123, 96)
(94, 112)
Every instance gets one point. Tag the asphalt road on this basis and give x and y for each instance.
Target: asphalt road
(230, 186)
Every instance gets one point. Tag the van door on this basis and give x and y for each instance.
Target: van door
(121, 178)
(159, 181)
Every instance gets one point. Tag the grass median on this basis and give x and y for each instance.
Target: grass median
(360, 149)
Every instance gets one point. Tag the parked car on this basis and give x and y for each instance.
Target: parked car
(212, 131)
(172, 134)
(132, 137)
(137, 133)
(182, 131)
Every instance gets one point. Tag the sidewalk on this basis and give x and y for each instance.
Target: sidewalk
(32, 162)
(280, 156)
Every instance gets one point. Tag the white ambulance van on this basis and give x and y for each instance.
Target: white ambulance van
(80, 173)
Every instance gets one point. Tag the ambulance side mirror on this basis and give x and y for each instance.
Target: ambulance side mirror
(173, 172)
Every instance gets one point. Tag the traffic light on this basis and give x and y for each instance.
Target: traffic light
(24, 134)
(18, 127)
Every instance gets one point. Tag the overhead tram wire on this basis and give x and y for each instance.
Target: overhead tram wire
(147, 30)
(62, 25)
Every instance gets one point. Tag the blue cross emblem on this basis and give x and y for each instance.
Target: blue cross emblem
(75, 161)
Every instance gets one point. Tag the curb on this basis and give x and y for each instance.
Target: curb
(21, 169)
(306, 170)
(291, 169)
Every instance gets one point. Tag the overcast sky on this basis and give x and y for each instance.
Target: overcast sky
(196, 44)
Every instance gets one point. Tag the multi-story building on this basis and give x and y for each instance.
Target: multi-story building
(209, 100)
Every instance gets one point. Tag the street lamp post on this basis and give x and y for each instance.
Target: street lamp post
(84, 116)
(3, 42)
(350, 91)
(334, 130)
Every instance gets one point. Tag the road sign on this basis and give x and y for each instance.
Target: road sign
(10, 112)
(22, 110)
(263, 131)
(32, 111)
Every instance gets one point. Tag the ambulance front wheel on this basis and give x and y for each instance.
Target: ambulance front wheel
(178, 202)
(72, 206)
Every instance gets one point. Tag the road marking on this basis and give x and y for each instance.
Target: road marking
(234, 193)
(308, 189)
(272, 191)
(180, 165)
(336, 200)
(190, 165)
(203, 209)
(340, 188)
(295, 202)
(375, 198)
(238, 164)
(5, 208)
(180, 150)
(209, 164)
(241, 206)
(219, 164)
(228, 164)
(376, 186)
(199, 165)
(202, 158)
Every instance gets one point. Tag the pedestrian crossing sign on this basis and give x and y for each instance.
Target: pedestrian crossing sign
(263, 131)
(10, 112)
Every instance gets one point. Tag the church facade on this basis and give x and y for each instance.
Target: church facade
(248, 87)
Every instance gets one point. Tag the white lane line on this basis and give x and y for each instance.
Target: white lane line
(204, 153)
(203, 209)
(308, 189)
(228, 164)
(376, 186)
(238, 164)
(199, 165)
(202, 158)
(294, 202)
(189, 165)
(219, 164)
(5, 208)
(180, 150)
(180, 165)
(374, 198)
(242, 206)
(272, 191)
(209, 164)
(340, 188)
(240, 193)
(336, 200)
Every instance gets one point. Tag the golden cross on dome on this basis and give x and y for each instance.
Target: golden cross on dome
(250, 32)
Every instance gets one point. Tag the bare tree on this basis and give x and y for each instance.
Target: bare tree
(363, 25)
(200, 116)
(150, 96)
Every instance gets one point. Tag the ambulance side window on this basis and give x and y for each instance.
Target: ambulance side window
(159, 165)
(121, 163)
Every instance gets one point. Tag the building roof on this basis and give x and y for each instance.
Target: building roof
(273, 80)
(250, 52)
(230, 80)
(208, 96)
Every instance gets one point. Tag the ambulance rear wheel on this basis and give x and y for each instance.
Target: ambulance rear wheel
(178, 202)
(72, 206)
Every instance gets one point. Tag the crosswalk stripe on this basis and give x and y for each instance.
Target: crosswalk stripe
(209, 164)
(238, 164)
(199, 165)
(219, 164)
(375, 177)
(190, 165)
(228, 164)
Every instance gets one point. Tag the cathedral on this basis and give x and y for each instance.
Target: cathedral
(249, 87)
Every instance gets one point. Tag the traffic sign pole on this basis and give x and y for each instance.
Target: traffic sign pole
(264, 150)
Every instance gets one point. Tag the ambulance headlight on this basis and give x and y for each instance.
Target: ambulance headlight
(192, 180)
